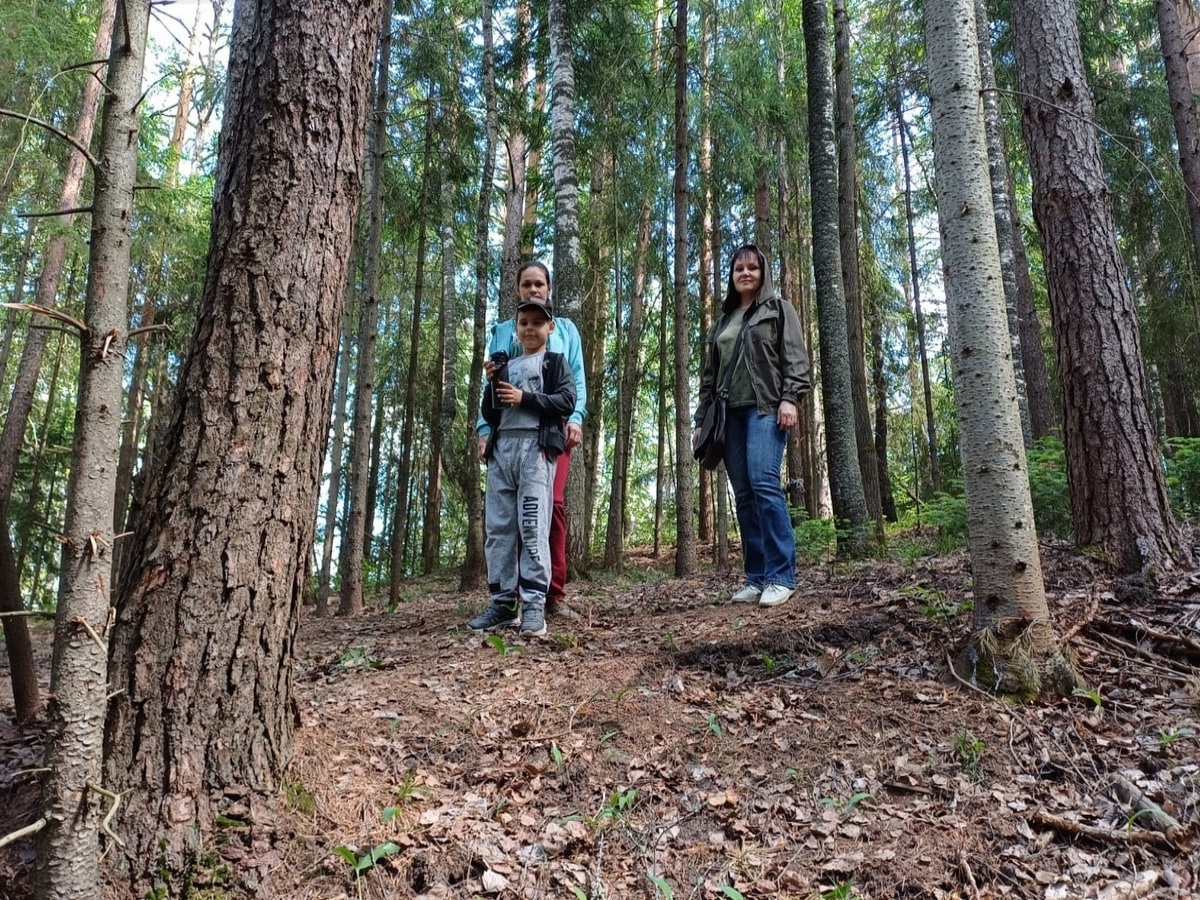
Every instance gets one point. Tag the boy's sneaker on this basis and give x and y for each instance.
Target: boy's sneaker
(748, 594)
(533, 622)
(498, 615)
(774, 594)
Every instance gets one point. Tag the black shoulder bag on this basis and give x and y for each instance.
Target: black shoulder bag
(710, 449)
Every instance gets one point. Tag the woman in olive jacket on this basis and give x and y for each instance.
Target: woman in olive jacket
(769, 376)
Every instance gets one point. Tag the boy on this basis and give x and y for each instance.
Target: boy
(525, 404)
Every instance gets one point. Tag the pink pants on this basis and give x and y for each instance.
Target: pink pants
(558, 532)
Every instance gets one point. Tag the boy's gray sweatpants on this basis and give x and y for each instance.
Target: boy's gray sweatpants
(517, 511)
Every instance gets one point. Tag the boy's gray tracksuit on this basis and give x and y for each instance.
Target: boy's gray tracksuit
(522, 451)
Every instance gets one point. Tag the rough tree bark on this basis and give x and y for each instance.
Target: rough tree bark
(1014, 650)
(1119, 496)
(845, 477)
(201, 718)
(73, 801)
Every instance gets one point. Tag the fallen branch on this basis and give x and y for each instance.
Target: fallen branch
(1165, 636)
(1149, 814)
(1101, 835)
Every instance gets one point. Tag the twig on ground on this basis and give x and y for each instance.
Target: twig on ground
(33, 828)
(1101, 835)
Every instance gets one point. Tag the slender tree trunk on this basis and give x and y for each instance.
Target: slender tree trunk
(709, 217)
(201, 719)
(73, 802)
(935, 467)
(1179, 34)
(873, 281)
(847, 137)
(1119, 496)
(614, 542)
(17, 297)
(473, 568)
(408, 453)
(358, 525)
(517, 147)
(12, 434)
(998, 167)
(685, 528)
(431, 532)
(333, 501)
(661, 417)
(845, 476)
(1015, 650)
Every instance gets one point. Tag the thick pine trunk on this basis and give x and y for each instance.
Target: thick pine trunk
(845, 477)
(1014, 651)
(1119, 496)
(202, 717)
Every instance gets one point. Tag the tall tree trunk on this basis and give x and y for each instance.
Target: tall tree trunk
(1179, 34)
(593, 330)
(1011, 620)
(201, 719)
(845, 477)
(685, 528)
(567, 277)
(408, 429)
(358, 525)
(12, 434)
(662, 413)
(935, 466)
(614, 541)
(873, 295)
(431, 532)
(708, 231)
(334, 495)
(847, 138)
(72, 801)
(1119, 496)
(517, 147)
(473, 568)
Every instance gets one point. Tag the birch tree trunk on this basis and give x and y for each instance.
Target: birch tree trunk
(73, 802)
(567, 278)
(201, 718)
(845, 477)
(1014, 650)
(1119, 496)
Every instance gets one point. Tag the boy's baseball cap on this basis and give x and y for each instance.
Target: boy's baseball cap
(545, 306)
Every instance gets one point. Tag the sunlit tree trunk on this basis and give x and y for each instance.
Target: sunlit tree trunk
(1014, 650)
(338, 429)
(517, 148)
(1119, 496)
(708, 234)
(201, 718)
(73, 802)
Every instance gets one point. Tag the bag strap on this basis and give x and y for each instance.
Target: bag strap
(723, 391)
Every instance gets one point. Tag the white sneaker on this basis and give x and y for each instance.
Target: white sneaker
(774, 594)
(748, 594)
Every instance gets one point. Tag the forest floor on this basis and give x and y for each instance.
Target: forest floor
(672, 744)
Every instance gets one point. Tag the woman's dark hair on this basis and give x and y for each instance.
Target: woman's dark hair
(732, 298)
(534, 263)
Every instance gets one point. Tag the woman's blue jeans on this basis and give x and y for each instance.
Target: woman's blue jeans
(754, 448)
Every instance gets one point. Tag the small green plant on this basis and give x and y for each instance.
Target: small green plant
(556, 754)
(714, 725)
(357, 658)
(1182, 468)
(408, 789)
(502, 647)
(617, 806)
(361, 863)
(578, 893)
(1048, 488)
(297, 797)
(842, 890)
(863, 655)
(768, 662)
(1092, 695)
(733, 893)
(661, 886)
(948, 513)
(969, 750)
(1169, 736)
(816, 540)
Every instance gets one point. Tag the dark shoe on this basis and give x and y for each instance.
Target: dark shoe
(498, 615)
(558, 609)
(533, 622)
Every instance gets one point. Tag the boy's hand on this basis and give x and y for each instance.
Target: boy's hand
(509, 395)
(483, 442)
